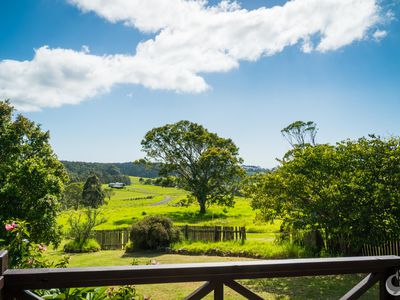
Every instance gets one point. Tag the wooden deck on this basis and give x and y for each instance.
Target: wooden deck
(15, 284)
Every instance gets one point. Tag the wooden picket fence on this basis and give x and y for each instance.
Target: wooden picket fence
(213, 233)
(112, 239)
(388, 248)
(119, 238)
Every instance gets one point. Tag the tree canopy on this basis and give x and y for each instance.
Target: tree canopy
(350, 192)
(31, 177)
(92, 194)
(72, 197)
(300, 134)
(205, 164)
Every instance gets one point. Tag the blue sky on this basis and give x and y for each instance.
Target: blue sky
(350, 88)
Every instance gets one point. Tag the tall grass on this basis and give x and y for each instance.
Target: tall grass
(255, 249)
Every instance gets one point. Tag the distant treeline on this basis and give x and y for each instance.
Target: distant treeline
(108, 172)
(119, 172)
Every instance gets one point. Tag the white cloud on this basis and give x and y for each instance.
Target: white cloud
(379, 34)
(191, 38)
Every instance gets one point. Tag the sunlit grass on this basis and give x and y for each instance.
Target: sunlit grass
(250, 248)
(137, 201)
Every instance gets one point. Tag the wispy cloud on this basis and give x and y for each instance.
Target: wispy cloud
(190, 38)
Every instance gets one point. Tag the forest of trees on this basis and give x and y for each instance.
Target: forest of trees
(108, 172)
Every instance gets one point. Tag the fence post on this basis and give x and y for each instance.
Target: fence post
(3, 267)
(243, 233)
(186, 232)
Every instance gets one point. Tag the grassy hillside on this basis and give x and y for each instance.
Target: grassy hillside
(137, 200)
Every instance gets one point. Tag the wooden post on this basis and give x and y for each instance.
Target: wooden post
(3, 268)
(186, 232)
(219, 291)
(243, 233)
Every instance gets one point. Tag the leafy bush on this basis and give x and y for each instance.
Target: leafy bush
(154, 232)
(99, 293)
(81, 230)
(90, 245)
(348, 192)
(23, 252)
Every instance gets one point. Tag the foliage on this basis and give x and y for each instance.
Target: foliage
(300, 134)
(89, 245)
(92, 193)
(205, 164)
(81, 229)
(350, 192)
(99, 293)
(108, 192)
(24, 253)
(167, 181)
(109, 172)
(31, 177)
(153, 232)
(72, 197)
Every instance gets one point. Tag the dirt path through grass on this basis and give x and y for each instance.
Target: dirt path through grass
(165, 201)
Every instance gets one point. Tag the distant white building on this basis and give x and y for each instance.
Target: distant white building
(116, 185)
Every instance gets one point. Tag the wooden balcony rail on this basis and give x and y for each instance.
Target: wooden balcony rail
(16, 283)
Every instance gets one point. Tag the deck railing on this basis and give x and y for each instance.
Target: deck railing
(16, 284)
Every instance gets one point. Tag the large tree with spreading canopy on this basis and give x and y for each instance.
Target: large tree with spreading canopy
(31, 176)
(205, 164)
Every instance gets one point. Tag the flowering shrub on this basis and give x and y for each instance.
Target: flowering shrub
(22, 252)
(25, 254)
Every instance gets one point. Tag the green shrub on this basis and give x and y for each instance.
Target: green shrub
(154, 232)
(81, 230)
(98, 293)
(89, 245)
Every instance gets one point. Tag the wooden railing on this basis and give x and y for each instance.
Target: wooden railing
(15, 284)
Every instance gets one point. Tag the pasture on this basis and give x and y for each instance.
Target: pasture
(136, 201)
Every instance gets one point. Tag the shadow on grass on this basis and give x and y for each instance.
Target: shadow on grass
(128, 221)
(316, 287)
(141, 254)
(194, 217)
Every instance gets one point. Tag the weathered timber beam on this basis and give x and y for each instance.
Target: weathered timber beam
(364, 285)
(201, 292)
(240, 289)
(104, 276)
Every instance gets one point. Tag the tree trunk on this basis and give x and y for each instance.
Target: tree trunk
(202, 203)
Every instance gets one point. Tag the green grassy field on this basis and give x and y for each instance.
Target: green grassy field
(130, 204)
